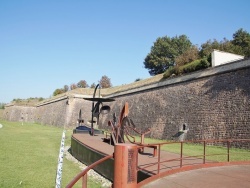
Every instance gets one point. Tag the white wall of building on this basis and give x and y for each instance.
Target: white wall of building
(219, 57)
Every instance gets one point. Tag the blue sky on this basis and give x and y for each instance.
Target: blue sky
(47, 44)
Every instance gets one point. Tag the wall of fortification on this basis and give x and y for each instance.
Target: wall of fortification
(215, 106)
(213, 103)
(75, 106)
(19, 113)
(59, 112)
(63, 112)
(53, 113)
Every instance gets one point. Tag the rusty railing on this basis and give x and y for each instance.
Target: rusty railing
(160, 161)
(83, 174)
(158, 172)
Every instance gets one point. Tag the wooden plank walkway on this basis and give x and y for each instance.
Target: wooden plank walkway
(145, 160)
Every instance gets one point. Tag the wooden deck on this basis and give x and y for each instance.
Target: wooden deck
(146, 160)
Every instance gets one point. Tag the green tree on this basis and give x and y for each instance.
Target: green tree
(241, 38)
(93, 85)
(208, 47)
(82, 84)
(105, 82)
(163, 53)
(66, 88)
(224, 45)
(73, 86)
(137, 79)
(188, 56)
(58, 91)
(2, 105)
(40, 99)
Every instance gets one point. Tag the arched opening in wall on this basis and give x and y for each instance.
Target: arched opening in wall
(184, 127)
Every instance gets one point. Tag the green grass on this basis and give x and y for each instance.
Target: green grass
(197, 149)
(29, 156)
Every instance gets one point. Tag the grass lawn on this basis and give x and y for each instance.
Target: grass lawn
(29, 156)
(197, 149)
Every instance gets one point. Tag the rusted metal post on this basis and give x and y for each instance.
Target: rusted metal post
(228, 146)
(204, 152)
(84, 181)
(84, 172)
(159, 159)
(125, 166)
(181, 154)
(142, 142)
(142, 139)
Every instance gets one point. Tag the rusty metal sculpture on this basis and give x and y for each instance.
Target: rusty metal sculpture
(96, 110)
(123, 128)
(117, 133)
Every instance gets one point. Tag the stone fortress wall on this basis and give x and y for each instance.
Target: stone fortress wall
(62, 111)
(19, 113)
(213, 103)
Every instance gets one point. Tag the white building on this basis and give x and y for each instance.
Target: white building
(220, 57)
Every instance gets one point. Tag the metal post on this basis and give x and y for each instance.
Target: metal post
(84, 181)
(125, 166)
(142, 142)
(228, 146)
(181, 154)
(159, 159)
(204, 153)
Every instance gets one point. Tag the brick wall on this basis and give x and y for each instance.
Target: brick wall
(64, 112)
(19, 113)
(215, 106)
(214, 103)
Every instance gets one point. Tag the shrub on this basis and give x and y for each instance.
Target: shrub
(169, 72)
(190, 67)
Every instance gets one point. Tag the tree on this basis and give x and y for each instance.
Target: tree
(241, 38)
(208, 47)
(2, 105)
(40, 99)
(93, 85)
(66, 88)
(188, 56)
(105, 82)
(82, 84)
(163, 53)
(137, 79)
(73, 86)
(224, 45)
(58, 91)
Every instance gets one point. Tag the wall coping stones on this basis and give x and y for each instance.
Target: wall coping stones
(134, 87)
(65, 96)
(241, 64)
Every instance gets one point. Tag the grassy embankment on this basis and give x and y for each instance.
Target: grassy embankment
(29, 156)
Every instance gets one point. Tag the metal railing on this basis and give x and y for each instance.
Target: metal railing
(83, 174)
(160, 172)
(202, 159)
